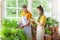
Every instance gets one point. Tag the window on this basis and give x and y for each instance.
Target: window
(46, 4)
(13, 8)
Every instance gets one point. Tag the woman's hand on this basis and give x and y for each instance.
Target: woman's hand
(32, 20)
(35, 21)
(21, 27)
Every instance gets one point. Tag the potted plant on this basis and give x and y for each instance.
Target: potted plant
(47, 31)
(50, 22)
(12, 34)
(9, 23)
(34, 25)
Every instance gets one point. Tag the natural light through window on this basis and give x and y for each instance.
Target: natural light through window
(13, 8)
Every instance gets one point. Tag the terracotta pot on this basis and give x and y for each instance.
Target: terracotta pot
(56, 29)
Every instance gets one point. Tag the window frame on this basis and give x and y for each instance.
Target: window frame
(17, 7)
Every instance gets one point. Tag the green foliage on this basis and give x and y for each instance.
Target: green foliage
(12, 3)
(47, 31)
(51, 22)
(13, 34)
(21, 34)
(10, 31)
(19, 12)
(43, 3)
(11, 12)
(33, 24)
(22, 2)
(9, 23)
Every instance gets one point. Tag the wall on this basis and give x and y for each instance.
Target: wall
(0, 12)
(58, 14)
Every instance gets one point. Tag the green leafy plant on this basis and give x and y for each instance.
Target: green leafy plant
(10, 31)
(47, 31)
(9, 23)
(12, 34)
(51, 22)
(33, 24)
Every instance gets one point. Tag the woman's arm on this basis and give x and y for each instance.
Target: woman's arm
(35, 21)
(42, 20)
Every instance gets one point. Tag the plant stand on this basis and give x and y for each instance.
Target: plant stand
(33, 33)
(47, 37)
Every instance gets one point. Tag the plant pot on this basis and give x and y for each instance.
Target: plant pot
(47, 37)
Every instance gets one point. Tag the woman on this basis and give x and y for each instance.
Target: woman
(40, 24)
(25, 23)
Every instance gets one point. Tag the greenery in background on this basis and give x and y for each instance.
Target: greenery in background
(12, 3)
(11, 12)
(34, 11)
(10, 31)
(35, 3)
(12, 34)
(46, 5)
(19, 12)
(22, 2)
(6, 23)
(43, 3)
(51, 22)
(33, 24)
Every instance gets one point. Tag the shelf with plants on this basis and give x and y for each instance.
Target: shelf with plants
(34, 25)
(10, 31)
(51, 26)
(51, 22)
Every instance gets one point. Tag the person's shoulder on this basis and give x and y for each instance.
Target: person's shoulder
(43, 16)
(22, 13)
(29, 12)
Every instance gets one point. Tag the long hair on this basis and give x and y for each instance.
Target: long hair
(24, 6)
(41, 9)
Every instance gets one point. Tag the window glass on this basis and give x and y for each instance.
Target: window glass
(10, 12)
(11, 3)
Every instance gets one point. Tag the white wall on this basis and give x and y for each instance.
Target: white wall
(0, 13)
(30, 5)
(58, 14)
(54, 9)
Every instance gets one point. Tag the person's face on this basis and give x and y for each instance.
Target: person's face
(25, 9)
(38, 11)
